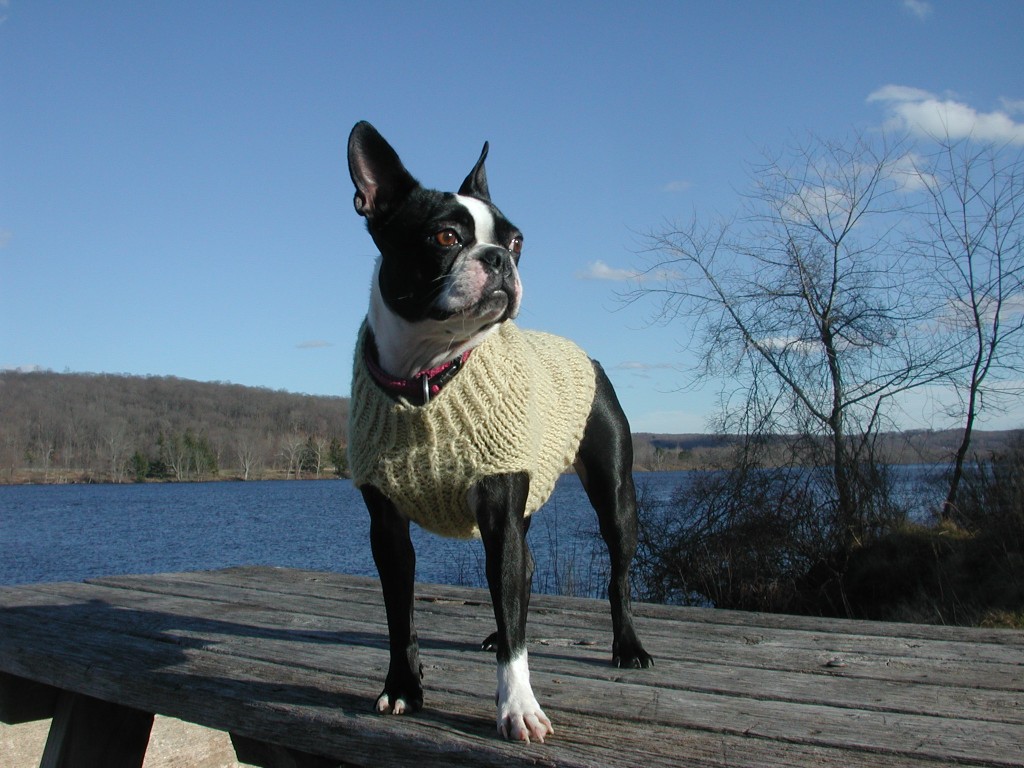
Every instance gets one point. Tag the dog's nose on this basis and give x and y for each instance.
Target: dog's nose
(498, 260)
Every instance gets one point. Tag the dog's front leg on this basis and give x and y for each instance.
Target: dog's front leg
(499, 502)
(396, 563)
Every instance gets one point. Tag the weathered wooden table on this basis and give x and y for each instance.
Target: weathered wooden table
(289, 662)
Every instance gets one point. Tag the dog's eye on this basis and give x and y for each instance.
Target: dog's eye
(516, 246)
(446, 238)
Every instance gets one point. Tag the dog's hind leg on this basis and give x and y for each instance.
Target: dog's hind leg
(605, 465)
(396, 563)
(499, 502)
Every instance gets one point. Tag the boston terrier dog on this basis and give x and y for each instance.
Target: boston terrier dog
(462, 423)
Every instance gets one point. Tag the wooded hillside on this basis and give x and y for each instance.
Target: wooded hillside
(82, 427)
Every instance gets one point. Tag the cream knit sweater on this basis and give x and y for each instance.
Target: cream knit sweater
(520, 403)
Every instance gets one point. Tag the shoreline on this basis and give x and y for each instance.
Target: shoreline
(23, 477)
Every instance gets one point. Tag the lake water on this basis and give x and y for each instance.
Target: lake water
(74, 532)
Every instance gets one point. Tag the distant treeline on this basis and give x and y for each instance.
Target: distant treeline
(104, 428)
(70, 427)
(706, 451)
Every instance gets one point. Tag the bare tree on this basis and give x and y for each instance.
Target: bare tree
(973, 236)
(807, 307)
(317, 448)
(292, 448)
(175, 454)
(117, 447)
(41, 447)
(250, 450)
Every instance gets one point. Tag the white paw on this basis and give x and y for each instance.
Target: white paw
(520, 717)
(529, 725)
(384, 705)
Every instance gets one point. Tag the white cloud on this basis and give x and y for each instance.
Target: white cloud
(899, 93)
(920, 8)
(5, 237)
(598, 270)
(906, 171)
(960, 313)
(313, 344)
(1013, 106)
(640, 367)
(926, 114)
(781, 344)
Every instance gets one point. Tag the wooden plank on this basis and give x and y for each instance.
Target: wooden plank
(880, 658)
(298, 581)
(943, 643)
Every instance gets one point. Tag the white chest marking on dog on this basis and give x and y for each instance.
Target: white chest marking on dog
(482, 218)
(405, 348)
(520, 717)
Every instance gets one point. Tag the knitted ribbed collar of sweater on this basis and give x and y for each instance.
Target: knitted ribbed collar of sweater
(519, 403)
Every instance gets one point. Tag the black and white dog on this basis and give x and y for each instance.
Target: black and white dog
(447, 285)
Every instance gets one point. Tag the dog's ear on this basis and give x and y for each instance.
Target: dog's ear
(380, 178)
(475, 184)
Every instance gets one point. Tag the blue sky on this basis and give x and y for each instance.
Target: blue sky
(174, 195)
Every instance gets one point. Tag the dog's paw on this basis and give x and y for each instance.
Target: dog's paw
(389, 704)
(520, 717)
(527, 723)
(640, 659)
(490, 643)
(631, 656)
(402, 694)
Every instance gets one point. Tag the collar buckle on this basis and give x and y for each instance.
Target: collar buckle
(420, 388)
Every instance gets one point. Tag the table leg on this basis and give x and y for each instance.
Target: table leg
(91, 733)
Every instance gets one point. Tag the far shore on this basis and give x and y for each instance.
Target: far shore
(38, 477)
